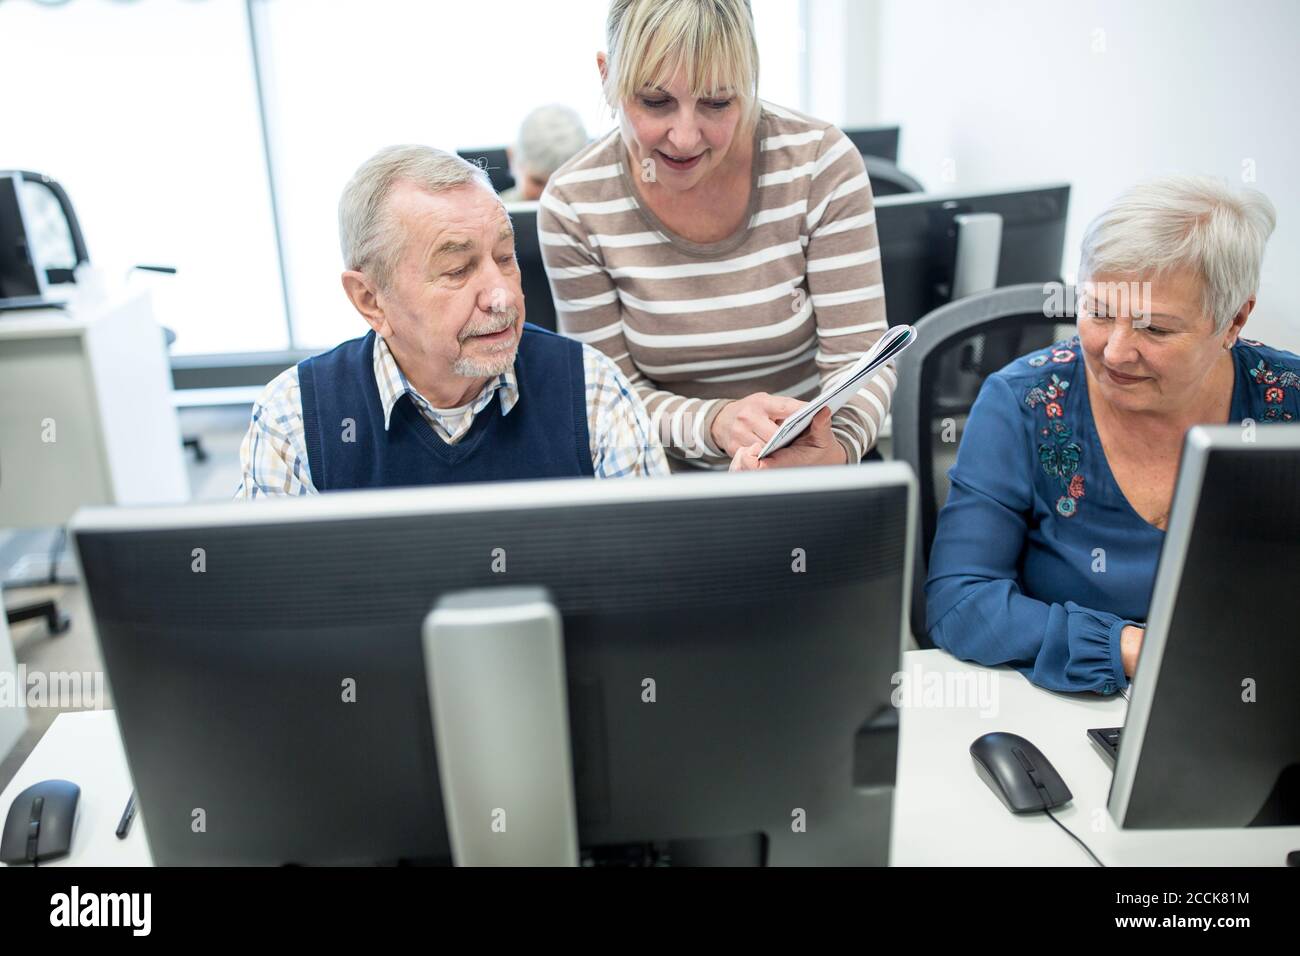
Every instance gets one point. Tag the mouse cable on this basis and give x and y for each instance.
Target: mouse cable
(1075, 838)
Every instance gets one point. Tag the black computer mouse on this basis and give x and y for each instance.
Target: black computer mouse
(40, 822)
(1018, 773)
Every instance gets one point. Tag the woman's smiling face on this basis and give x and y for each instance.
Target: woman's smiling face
(675, 139)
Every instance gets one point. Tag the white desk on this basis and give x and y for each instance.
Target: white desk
(85, 748)
(86, 414)
(943, 813)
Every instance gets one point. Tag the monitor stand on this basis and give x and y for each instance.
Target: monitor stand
(494, 661)
(979, 253)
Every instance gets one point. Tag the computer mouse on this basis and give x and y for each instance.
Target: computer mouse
(40, 822)
(1018, 773)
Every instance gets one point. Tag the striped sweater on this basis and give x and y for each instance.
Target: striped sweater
(784, 305)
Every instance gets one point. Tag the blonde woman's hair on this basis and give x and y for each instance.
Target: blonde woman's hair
(712, 40)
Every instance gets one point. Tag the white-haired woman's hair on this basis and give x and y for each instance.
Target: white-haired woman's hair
(1185, 222)
(370, 242)
(712, 40)
(549, 137)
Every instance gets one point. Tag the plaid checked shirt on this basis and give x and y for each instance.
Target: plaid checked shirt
(274, 451)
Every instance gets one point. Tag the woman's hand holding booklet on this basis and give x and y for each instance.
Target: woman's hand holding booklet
(885, 350)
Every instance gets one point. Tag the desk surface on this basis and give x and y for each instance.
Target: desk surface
(86, 749)
(943, 813)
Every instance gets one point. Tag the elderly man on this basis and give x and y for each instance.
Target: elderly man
(450, 384)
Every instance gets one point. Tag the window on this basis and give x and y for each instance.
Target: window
(147, 114)
(343, 80)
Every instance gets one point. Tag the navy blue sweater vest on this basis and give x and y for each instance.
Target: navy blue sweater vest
(544, 436)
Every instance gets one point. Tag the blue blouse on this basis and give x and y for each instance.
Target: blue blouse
(1039, 561)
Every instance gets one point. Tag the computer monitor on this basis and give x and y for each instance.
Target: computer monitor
(532, 271)
(728, 648)
(879, 141)
(1212, 736)
(935, 248)
(923, 239)
(494, 161)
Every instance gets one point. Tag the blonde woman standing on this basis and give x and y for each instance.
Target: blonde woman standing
(721, 249)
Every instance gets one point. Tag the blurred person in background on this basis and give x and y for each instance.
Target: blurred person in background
(549, 137)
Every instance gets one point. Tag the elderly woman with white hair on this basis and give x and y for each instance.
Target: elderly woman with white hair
(1045, 553)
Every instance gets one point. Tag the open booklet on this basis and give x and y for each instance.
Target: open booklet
(887, 347)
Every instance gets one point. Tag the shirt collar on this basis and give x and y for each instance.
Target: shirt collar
(393, 384)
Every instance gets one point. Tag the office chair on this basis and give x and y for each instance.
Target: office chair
(957, 347)
(57, 620)
(192, 443)
(53, 205)
(536, 287)
(888, 180)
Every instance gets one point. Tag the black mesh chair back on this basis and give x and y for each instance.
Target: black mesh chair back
(539, 307)
(957, 347)
(888, 180)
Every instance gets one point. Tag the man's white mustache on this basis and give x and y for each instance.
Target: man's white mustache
(509, 318)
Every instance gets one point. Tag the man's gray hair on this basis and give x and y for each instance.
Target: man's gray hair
(1185, 222)
(370, 242)
(549, 137)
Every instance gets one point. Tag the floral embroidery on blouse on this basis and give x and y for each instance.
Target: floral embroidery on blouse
(1061, 353)
(1275, 380)
(1058, 453)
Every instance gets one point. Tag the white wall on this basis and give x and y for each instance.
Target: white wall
(1100, 94)
(841, 58)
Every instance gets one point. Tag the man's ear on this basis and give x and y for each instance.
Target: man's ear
(364, 295)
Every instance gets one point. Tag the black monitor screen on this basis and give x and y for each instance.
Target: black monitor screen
(881, 141)
(494, 162)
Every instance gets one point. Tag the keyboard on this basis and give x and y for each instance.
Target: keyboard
(1106, 740)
